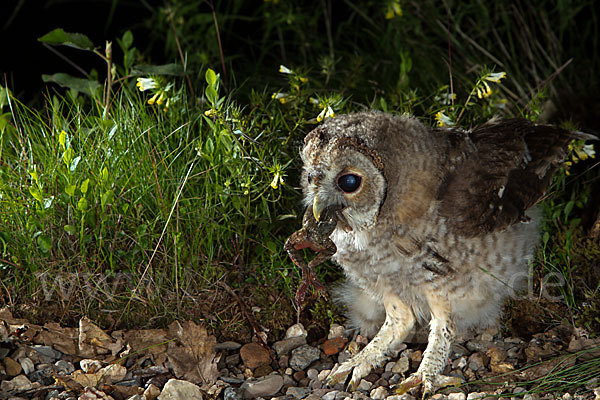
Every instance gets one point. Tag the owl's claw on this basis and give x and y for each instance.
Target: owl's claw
(430, 383)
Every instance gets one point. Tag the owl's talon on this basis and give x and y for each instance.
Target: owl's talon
(430, 383)
(339, 375)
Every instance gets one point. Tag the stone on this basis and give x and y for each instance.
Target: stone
(254, 355)
(262, 371)
(323, 375)
(364, 385)
(12, 367)
(334, 346)
(284, 346)
(298, 392)
(401, 366)
(176, 389)
(330, 395)
(18, 383)
(151, 392)
(379, 393)
(295, 331)
(265, 386)
(312, 374)
(303, 356)
(476, 362)
(404, 396)
(90, 366)
(43, 375)
(335, 331)
(227, 346)
(457, 396)
(232, 360)
(231, 394)
(27, 365)
(48, 352)
(476, 395)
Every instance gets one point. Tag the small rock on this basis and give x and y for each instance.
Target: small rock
(330, 395)
(232, 360)
(323, 375)
(457, 396)
(27, 365)
(401, 366)
(457, 350)
(364, 385)
(312, 374)
(439, 396)
(232, 380)
(404, 396)
(389, 366)
(48, 352)
(265, 386)
(343, 356)
(18, 383)
(379, 393)
(298, 392)
(476, 362)
(478, 345)
(227, 346)
(303, 356)
(460, 363)
(43, 375)
(262, 371)
(151, 392)
(533, 396)
(295, 331)
(395, 379)
(12, 367)
(254, 355)
(334, 346)
(64, 367)
(90, 366)
(335, 331)
(176, 389)
(476, 395)
(284, 346)
(231, 394)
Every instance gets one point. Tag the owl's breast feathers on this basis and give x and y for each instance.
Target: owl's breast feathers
(495, 172)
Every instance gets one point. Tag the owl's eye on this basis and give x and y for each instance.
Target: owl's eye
(349, 183)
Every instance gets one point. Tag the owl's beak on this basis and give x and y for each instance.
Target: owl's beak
(318, 207)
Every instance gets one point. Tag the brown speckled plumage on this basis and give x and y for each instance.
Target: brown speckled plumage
(442, 224)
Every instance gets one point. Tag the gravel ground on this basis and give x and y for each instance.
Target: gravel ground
(184, 362)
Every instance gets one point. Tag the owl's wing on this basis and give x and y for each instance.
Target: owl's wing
(497, 171)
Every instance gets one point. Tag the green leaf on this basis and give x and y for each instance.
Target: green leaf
(211, 77)
(48, 202)
(84, 186)
(166, 69)
(82, 205)
(35, 192)
(62, 139)
(104, 175)
(70, 190)
(211, 95)
(70, 229)
(60, 37)
(74, 163)
(68, 156)
(127, 40)
(35, 176)
(87, 86)
(4, 96)
(107, 198)
(44, 243)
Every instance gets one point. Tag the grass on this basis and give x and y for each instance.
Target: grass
(133, 214)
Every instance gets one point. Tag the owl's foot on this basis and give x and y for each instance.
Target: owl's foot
(360, 365)
(430, 383)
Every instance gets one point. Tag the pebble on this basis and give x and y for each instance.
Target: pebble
(334, 346)
(227, 346)
(265, 386)
(27, 365)
(364, 385)
(335, 331)
(176, 389)
(286, 345)
(47, 351)
(254, 355)
(295, 331)
(298, 392)
(401, 365)
(457, 396)
(12, 367)
(379, 393)
(303, 356)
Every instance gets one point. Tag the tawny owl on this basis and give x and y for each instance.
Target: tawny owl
(438, 224)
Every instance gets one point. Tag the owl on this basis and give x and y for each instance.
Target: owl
(436, 225)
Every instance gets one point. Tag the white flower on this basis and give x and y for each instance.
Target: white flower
(285, 70)
(146, 84)
(495, 77)
(326, 113)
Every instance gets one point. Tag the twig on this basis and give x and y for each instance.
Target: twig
(255, 327)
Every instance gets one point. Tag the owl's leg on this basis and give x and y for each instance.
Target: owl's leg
(436, 354)
(399, 321)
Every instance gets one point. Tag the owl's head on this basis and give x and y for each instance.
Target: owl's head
(357, 161)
